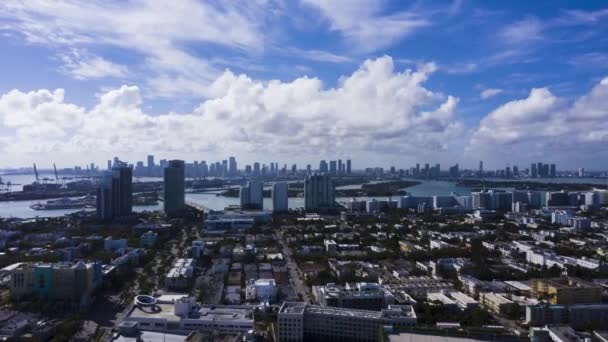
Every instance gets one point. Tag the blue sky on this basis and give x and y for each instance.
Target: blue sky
(382, 82)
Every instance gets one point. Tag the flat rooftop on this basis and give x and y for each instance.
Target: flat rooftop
(204, 313)
(299, 308)
(151, 337)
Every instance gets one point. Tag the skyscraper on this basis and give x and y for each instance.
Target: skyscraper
(123, 179)
(533, 171)
(115, 193)
(323, 166)
(318, 192)
(104, 197)
(348, 169)
(539, 169)
(252, 195)
(553, 171)
(175, 187)
(150, 165)
(454, 171)
(332, 167)
(224, 169)
(480, 168)
(279, 197)
(232, 167)
(256, 169)
(339, 166)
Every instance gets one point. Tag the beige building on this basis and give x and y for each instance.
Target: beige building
(495, 302)
(567, 291)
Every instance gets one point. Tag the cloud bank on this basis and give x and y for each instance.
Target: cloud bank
(376, 109)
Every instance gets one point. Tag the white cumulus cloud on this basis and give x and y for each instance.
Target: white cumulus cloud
(543, 123)
(375, 110)
(490, 92)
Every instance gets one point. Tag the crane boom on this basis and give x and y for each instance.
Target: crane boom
(36, 172)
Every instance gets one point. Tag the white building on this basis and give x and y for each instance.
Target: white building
(184, 315)
(561, 217)
(180, 276)
(264, 290)
(463, 301)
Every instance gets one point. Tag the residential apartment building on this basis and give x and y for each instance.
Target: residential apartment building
(579, 316)
(495, 302)
(567, 291)
(74, 283)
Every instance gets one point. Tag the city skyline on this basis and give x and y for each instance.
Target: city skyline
(371, 83)
(232, 166)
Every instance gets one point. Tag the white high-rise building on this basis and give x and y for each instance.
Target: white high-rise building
(279, 197)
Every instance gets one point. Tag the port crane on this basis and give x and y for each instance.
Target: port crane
(57, 178)
(6, 186)
(36, 172)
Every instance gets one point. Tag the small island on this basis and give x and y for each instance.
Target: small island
(525, 185)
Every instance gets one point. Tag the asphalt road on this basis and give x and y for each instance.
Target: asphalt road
(294, 273)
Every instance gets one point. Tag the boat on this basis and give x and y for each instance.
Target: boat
(87, 201)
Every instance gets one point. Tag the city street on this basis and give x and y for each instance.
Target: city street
(294, 274)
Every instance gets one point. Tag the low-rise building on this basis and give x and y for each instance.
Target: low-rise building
(264, 290)
(185, 315)
(445, 301)
(495, 302)
(303, 322)
(181, 275)
(463, 301)
(364, 296)
(579, 316)
(567, 291)
(76, 283)
(221, 221)
(419, 287)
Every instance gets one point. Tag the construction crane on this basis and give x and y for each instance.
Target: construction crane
(36, 172)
